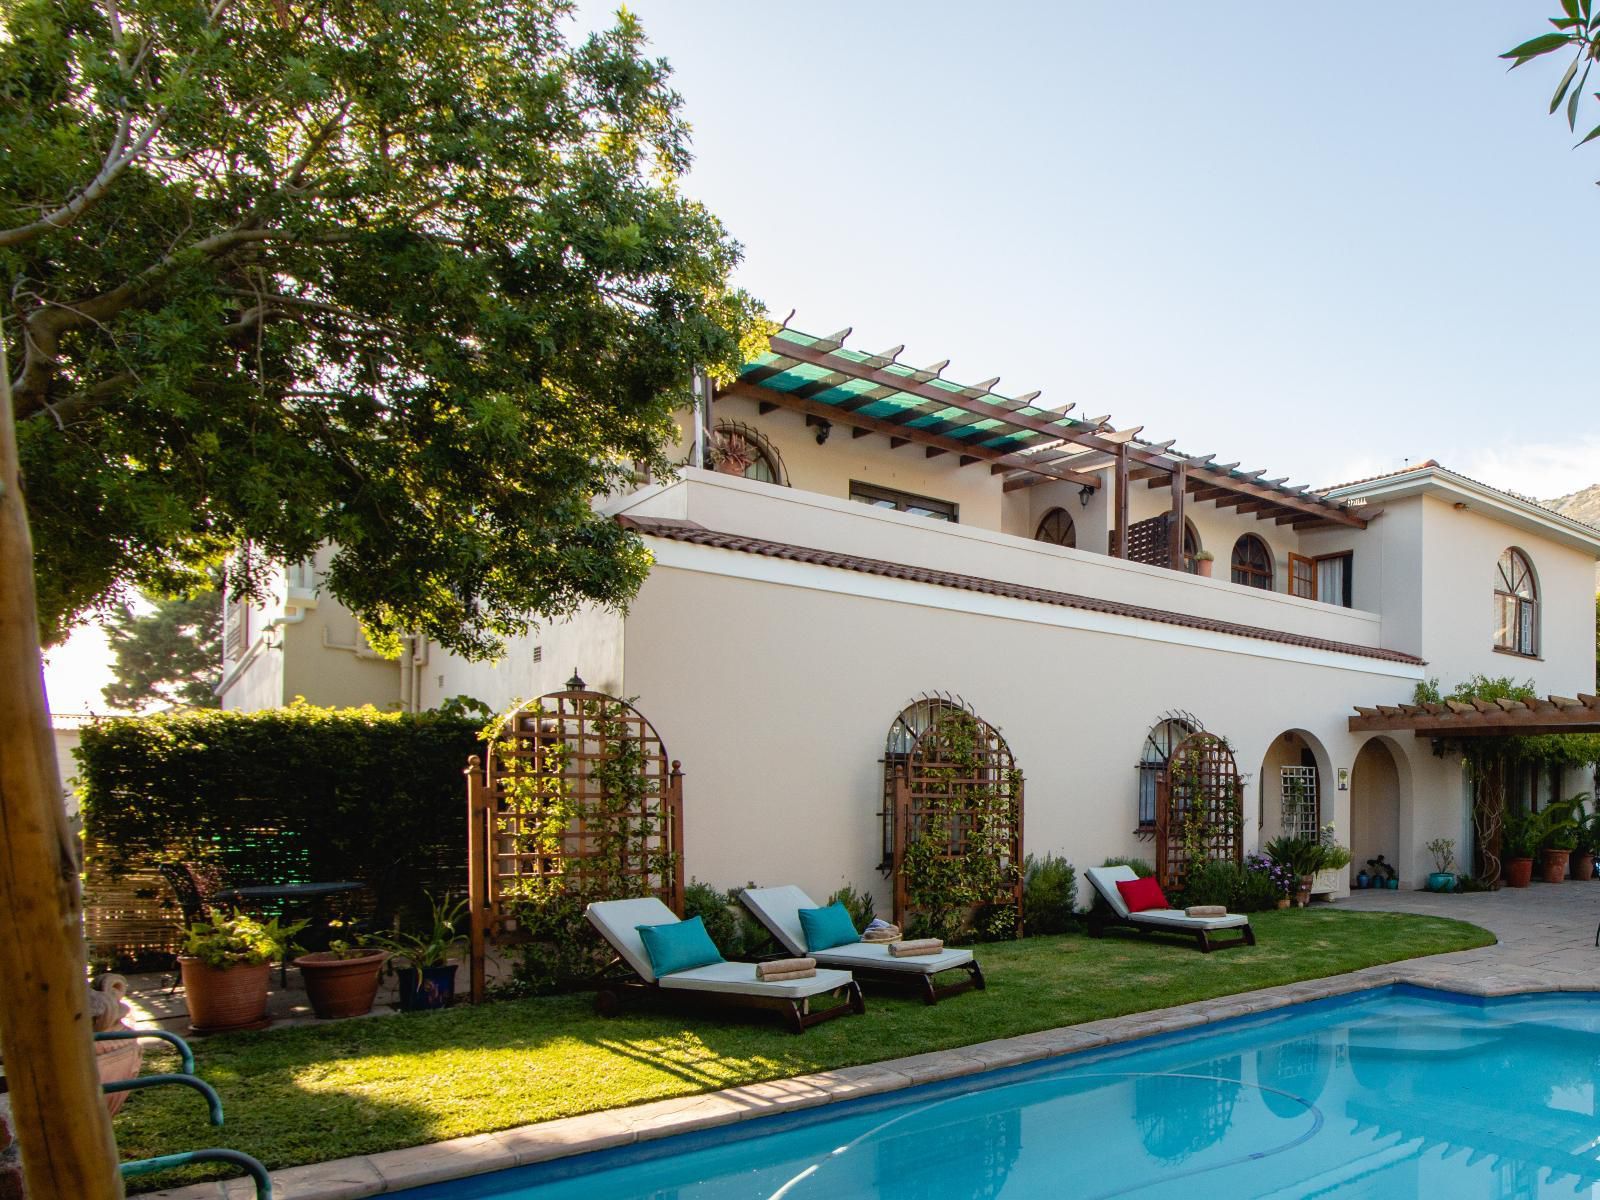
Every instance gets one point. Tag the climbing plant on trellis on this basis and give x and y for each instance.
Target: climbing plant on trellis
(953, 823)
(575, 801)
(1199, 808)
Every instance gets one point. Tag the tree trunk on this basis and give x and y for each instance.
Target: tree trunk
(58, 1110)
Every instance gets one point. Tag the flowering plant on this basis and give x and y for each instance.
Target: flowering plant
(1334, 856)
(1282, 877)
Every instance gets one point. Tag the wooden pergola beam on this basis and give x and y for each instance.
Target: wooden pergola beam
(1481, 718)
(1093, 440)
(899, 435)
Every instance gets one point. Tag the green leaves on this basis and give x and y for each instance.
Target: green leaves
(1534, 47)
(413, 279)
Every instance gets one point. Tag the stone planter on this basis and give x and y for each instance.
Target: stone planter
(227, 999)
(341, 985)
(1518, 872)
(1553, 865)
(1325, 883)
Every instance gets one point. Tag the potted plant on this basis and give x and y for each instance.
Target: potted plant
(1302, 857)
(1556, 833)
(1443, 878)
(1519, 836)
(1335, 858)
(342, 981)
(227, 966)
(1382, 874)
(427, 977)
(1203, 560)
(1586, 842)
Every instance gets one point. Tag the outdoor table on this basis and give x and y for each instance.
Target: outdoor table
(313, 894)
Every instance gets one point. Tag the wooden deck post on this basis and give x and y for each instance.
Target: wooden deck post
(477, 872)
(1175, 525)
(1121, 549)
(58, 1109)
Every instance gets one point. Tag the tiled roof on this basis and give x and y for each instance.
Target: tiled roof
(689, 531)
(1405, 470)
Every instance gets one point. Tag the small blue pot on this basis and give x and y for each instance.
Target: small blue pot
(434, 987)
(1363, 880)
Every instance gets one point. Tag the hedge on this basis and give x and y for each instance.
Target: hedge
(284, 795)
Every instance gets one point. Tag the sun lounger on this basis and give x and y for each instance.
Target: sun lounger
(1165, 920)
(723, 982)
(778, 908)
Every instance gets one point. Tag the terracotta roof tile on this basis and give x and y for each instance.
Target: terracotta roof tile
(688, 531)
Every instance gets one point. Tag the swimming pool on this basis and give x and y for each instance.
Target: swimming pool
(1395, 1093)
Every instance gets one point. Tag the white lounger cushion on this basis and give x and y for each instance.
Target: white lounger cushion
(778, 908)
(617, 921)
(875, 956)
(1105, 880)
(740, 979)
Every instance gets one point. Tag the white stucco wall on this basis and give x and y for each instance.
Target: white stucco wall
(781, 727)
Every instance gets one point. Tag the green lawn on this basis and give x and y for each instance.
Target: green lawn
(313, 1093)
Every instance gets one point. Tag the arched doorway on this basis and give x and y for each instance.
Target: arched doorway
(1293, 788)
(1375, 806)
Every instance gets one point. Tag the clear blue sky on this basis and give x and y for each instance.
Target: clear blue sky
(1322, 239)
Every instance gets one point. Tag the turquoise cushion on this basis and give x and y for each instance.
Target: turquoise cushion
(680, 946)
(828, 927)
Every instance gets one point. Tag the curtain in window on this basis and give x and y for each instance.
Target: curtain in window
(1330, 579)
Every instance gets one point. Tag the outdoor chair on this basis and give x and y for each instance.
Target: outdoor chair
(726, 983)
(1162, 920)
(195, 887)
(778, 908)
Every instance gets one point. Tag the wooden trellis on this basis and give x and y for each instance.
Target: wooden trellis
(578, 796)
(1198, 807)
(950, 775)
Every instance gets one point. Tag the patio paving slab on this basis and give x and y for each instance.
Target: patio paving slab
(1546, 943)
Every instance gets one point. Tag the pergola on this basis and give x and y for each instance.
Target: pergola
(1482, 718)
(1016, 437)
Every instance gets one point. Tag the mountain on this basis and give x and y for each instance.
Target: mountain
(1582, 506)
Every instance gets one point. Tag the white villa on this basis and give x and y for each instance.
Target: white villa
(850, 535)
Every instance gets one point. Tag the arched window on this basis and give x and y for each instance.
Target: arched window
(1164, 735)
(736, 449)
(1516, 605)
(1252, 562)
(1056, 528)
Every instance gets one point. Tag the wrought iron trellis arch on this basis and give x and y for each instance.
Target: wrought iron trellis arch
(1199, 807)
(576, 794)
(949, 774)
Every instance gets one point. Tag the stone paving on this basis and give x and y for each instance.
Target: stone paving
(1546, 943)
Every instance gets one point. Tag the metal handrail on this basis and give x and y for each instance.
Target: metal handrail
(172, 1039)
(213, 1100)
(165, 1162)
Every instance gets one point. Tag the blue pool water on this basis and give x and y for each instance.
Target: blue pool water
(1397, 1093)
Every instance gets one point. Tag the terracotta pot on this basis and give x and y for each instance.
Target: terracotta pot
(341, 986)
(1553, 865)
(1583, 867)
(225, 999)
(1518, 872)
(1202, 567)
(1283, 902)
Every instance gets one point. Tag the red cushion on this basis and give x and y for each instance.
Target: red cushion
(1142, 894)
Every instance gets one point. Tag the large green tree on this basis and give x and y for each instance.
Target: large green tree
(417, 279)
(169, 655)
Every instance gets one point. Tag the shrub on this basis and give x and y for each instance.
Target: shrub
(239, 941)
(858, 902)
(271, 797)
(711, 905)
(1141, 868)
(1049, 895)
(1216, 881)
